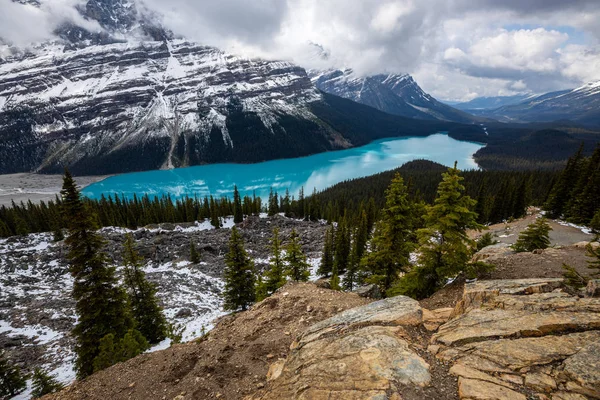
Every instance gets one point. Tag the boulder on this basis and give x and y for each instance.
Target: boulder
(593, 288)
(399, 310)
(362, 353)
(369, 291)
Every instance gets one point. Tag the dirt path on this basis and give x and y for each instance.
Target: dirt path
(561, 234)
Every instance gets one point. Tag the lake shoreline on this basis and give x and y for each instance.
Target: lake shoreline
(29, 186)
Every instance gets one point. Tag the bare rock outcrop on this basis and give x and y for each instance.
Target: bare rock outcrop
(507, 339)
(522, 339)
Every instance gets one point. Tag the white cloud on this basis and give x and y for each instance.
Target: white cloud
(445, 43)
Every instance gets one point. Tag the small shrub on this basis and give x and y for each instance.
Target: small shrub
(535, 237)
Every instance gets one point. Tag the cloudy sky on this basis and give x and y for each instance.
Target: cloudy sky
(456, 49)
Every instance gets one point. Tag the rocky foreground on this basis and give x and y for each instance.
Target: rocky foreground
(505, 339)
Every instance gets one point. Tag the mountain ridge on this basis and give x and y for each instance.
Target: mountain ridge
(396, 94)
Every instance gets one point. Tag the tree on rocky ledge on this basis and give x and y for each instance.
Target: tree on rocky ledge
(393, 240)
(445, 248)
(101, 304)
(239, 292)
(194, 253)
(147, 313)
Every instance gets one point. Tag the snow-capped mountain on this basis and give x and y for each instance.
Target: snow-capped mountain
(396, 94)
(168, 100)
(580, 105)
(490, 103)
(123, 95)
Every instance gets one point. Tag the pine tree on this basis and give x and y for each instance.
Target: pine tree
(595, 222)
(342, 247)
(326, 266)
(393, 239)
(194, 254)
(239, 275)
(12, 382)
(215, 220)
(586, 198)
(273, 203)
(101, 304)
(356, 253)
(260, 292)
(275, 275)
(238, 214)
(297, 267)
(42, 384)
(445, 248)
(562, 190)
(112, 351)
(594, 264)
(334, 282)
(148, 315)
(534, 237)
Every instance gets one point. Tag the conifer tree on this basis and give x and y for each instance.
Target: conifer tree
(260, 292)
(12, 382)
(445, 248)
(273, 203)
(215, 220)
(562, 191)
(334, 282)
(42, 384)
(359, 244)
(595, 222)
(286, 204)
(194, 254)
(112, 351)
(297, 267)
(342, 247)
(326, 266)
(148, 315)
(238, 213)
(101, 304)
(275, 275)
(594, 264)
(239, 292)
(586, 199)
(534, 237)
(393, 239)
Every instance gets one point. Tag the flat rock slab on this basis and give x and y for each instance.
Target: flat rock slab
(473, 389)
(480, 292)
(512, 355)
(481, 325)
(365, 363)
(400, 310)
(584, 369)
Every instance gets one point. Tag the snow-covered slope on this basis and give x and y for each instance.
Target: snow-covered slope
(396, 94)
(580, 105)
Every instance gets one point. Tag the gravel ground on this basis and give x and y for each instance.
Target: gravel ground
(35, 187)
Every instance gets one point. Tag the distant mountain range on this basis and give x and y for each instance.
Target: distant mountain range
(480, 104)
(396, 94)
(580, 105)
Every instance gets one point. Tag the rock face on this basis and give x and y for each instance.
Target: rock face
(362, 353)
(511, 339)
(525, 337)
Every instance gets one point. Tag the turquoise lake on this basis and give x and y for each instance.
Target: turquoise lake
(317, 171)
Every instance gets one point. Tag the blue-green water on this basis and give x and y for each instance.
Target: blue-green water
(317, 171)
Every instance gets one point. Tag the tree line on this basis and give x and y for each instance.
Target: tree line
(575, 196)
(501, 195)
